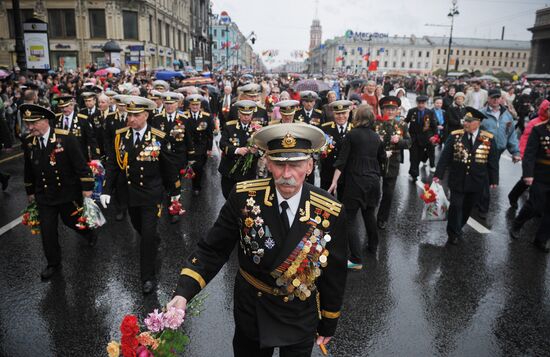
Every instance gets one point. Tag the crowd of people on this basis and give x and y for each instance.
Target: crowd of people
(273, 133)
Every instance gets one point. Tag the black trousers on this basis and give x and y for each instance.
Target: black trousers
(48, 226)
(198, 168)
(227, 186)
(538, 202)
(519, 188)
(369, 219)
(460, 209)
(420, 154)
(246, 347)
(388, 187)
(145, 220)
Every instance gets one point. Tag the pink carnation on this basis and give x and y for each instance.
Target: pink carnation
(173, 318)
(154, 321)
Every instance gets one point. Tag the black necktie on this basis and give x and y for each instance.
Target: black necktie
(341, 129)
(136, 143)
(42, 144)
(90, 112)
(284, 217)
(471, 138)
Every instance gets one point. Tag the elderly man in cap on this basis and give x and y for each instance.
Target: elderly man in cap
(95, 118)
(156, 96)
(287, 108)
(178, 132)
(236, 163)
(57, 178)
(292, 251)
(161, 86)
(142, 158)
(308, 113)
(499, 122)
(336, 131)
(471, 156)
(422, 128)
(250, 91)
(201, 128)
(78, 125)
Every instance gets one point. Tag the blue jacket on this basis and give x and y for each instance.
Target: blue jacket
(503, 129)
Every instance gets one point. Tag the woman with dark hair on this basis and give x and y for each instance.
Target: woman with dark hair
(360, 159)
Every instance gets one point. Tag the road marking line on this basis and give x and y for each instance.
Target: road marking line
(10, 225)
(11, 157)
(471, 222)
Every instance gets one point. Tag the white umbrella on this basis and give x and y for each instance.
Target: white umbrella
(113, 70)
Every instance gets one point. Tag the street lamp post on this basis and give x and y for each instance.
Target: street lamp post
(454, 12)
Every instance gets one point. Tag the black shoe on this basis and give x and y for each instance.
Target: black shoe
(541, 246)
(381, 224)
(515, 230)
(196, 193)
(174, 219)
(513, 203)
(148, 286)
(5, 180)
(120, 216)
(92, 238)
(452, 240)
(49, 271)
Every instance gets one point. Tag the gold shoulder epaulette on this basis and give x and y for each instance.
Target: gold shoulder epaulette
(29, 136)
(350, 126)
(253, 185)
(331, 123)
(83, 116)
(206, 113)
(158, 133)
(274, 122)
(58, 114)
(122, 130)
(61, 131)
(158, 115)
(325, 203)
(319, 111)
(487, 134)
(232, 122)
(457, 132)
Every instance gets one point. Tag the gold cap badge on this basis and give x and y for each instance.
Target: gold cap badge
(288, 141)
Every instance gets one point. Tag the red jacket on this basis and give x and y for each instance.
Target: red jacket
(543, 116)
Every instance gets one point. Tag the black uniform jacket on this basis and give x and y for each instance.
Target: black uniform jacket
(536, 158)
(59, 173)
(315, 119)
(112, 122)
(148, 169)
(469, 167)
(82, 129)
(178, 134)
(234, 137)
(421, 132)
(98, 126)
(328, 158)
(201, 130)
(260, 113)
(386, 129)
(311, 293)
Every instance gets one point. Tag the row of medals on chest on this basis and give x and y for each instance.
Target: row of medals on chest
(462, 154)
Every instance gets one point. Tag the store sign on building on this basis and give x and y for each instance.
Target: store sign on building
(364, 35)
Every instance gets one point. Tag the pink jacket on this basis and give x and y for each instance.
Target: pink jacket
(543, 116)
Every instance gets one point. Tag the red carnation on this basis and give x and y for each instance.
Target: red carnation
(129, 341)
(129, 326)
(128, 351)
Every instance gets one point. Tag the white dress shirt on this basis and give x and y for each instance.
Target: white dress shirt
(141, 133)
(293, 204)
(45, 136)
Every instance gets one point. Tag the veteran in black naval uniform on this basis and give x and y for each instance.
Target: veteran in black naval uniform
(94, 117)
(308, 113)
(57, 177)
(143, 160)
(471, 156)
(201, 128)
(292, 250)
(235, 147)
(77, 125)
(536, 173)
(395, 136)
(288, 109)
(250, 91)
(336, 131)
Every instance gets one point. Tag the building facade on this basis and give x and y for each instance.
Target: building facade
(354, 52)
(151, 33)
(540, 43)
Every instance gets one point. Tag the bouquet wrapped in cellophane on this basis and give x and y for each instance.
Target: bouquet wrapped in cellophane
(90, 215)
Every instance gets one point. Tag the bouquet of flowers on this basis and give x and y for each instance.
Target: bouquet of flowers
(160, 337)
(90, 215)
(436, 204)
(435, 140)
(99, 176)
(188, 172)
(31, 218)
(176, 208)
(328, 147)
(247, 160)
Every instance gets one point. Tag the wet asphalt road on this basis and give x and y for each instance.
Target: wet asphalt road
(488, 296)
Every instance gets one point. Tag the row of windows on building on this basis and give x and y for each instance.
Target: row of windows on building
(462, 62)
(65, 27)
(518, 55)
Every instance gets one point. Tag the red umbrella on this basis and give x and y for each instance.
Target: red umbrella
(193, 81)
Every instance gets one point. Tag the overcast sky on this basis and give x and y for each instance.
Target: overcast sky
(284, 24)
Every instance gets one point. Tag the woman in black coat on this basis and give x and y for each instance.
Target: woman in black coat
(455, 113)
(360, 158)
